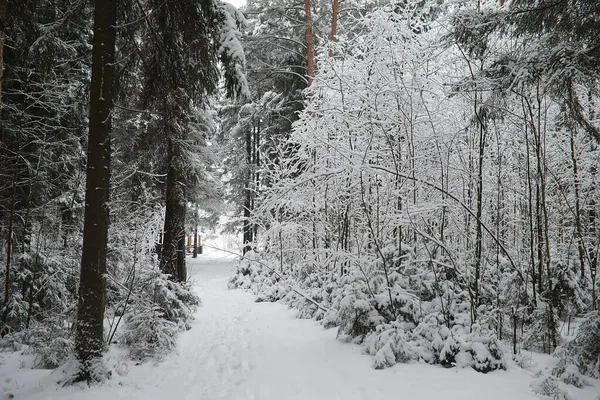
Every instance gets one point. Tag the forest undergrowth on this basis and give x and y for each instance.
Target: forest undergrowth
(358, 306)
(145, 310)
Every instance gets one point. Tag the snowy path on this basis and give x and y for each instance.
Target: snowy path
(238, 349)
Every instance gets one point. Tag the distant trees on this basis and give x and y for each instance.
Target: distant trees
(553, 74)
(442, 177)
(183, 43)
(282, 53)
(42, 129)
(276, 59)
(165, 67)
(565, 49)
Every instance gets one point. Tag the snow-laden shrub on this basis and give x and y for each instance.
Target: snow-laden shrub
(16, 311)
(432, 343)
(389, 345)
(362, 307)
(356, 316)
(571, 376)
(260, 279)
(42, 290)
(429, 337)
(313, 293)
(543, 330)
(177, 301)
(12, 342)
(485, 352)
(450, 352)
(549, 386)
(159, 313)
(50, 344)
(272, 289)
(248, 275)
(330, 319)
(301, 289)
(148, 333)
(41, 307)
(580, 356)
(396, 302)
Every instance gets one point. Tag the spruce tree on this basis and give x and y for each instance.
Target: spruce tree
(92, 287)
(183, 45)
(43, 118)
(568, 33)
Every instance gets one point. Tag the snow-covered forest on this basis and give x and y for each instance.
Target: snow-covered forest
(420, 176)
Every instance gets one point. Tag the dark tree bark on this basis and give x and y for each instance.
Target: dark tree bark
(248, 231)
(479, 193)
(1, 64)
(2, 18)
(256, 163)
(172, 260)
(195, 255)
(334, 20)
(251, 186)
(9, 247)
(89, 340)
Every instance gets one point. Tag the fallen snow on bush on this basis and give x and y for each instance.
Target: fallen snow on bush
(240, 349)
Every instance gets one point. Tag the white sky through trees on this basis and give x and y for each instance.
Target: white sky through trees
(237, 3)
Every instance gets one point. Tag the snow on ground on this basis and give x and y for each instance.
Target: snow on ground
(241, 350)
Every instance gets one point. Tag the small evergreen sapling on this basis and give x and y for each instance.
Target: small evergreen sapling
(580, 356)
(161, 311)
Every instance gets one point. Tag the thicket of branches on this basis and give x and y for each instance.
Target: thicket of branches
(431, 190)
(440, 195)
(170, 57)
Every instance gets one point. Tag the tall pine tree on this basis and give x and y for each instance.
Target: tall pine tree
(92, 286)
(183, 45)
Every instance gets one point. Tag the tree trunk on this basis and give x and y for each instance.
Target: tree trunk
(247, 229)
(195, 254)
(578, 225)
(249, 189)
(9, 245)
(310, 52)
(89, 340)
(172, 260)
(530, 218)
(256, 162)
(479, 194)
(334, 20)
(1, 67)
(514, 338)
